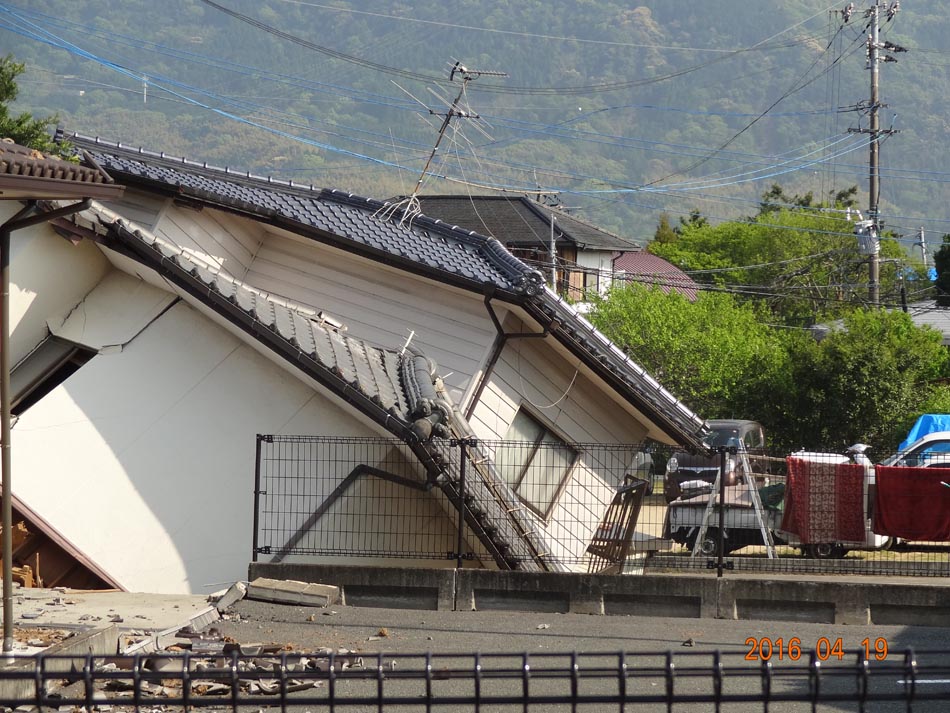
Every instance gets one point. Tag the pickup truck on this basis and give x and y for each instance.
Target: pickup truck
(687, 472)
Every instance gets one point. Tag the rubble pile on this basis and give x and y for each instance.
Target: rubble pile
(206, 665)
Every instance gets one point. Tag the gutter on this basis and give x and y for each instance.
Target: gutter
(498, 346)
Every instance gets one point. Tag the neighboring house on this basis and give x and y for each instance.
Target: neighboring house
(207, 306)
(585, 253)
(928, 313)
(28, 174)
(646, 269)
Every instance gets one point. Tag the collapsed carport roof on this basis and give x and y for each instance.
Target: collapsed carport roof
(422, 246)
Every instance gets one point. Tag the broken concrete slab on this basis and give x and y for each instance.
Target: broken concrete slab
(293, 592)
(236, 593)
(201, 619)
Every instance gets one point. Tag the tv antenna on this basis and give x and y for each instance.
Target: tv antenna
(410, 207)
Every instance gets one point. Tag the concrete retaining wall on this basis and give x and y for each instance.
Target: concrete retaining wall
(776, 597)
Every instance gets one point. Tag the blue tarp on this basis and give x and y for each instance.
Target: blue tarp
(928, 423)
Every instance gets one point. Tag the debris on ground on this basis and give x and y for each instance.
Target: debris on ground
(229, 597)
(262, 669)
(40, 637)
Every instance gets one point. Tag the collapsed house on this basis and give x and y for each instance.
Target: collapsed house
(156, 336)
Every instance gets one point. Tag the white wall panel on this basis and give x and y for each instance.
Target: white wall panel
(378, 304)
(225, 241)
(531, 374)
(117, 309)
(49, 276)
(153, 466)
(140, 207)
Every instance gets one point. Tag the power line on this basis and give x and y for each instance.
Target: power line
(527, 35)
(558, 91)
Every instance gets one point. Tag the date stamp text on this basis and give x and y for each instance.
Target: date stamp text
(825, 648)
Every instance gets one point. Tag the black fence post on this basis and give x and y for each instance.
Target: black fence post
(257, 496)
(721, 537)
(463, 444)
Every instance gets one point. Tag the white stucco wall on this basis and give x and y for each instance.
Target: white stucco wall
(116, 309)
(600, 260)
(144, 458)
(48, 277)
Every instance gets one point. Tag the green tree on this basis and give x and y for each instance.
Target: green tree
(712, 353)
(23, 128)
(804, 260)
(664, 231)
(866, 381)
(942, 266)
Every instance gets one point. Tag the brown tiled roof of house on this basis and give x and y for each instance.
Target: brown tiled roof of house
(26, 173)
(646, 268)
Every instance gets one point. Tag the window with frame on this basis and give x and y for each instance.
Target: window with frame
(535, 462)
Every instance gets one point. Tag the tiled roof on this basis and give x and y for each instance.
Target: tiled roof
(385, 382)
(648, 269)
(518, 221)
(28, 173)
(423, 245)
(334, 216)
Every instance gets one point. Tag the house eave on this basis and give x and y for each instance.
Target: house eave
(24, 188)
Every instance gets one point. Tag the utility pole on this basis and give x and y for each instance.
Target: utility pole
(922, 244)
(869, 231)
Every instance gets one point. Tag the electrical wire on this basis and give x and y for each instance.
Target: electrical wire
(356, 155)
(487, 87)
(525, 35)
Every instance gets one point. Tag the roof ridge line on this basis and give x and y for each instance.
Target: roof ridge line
(201, 167)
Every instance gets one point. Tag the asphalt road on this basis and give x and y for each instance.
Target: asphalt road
(394, 639)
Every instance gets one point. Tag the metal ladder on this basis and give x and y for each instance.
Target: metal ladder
(756, 505)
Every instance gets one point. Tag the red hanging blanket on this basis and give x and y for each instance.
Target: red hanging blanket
(824, 502)
(912, 503)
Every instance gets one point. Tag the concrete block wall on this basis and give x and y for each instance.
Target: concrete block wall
(781, 598)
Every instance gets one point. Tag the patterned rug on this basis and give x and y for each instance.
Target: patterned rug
(824, 502)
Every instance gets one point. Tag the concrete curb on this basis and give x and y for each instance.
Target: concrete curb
(779, 598)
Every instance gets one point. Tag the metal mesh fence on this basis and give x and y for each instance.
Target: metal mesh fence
(557, 506)
(332, 681)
